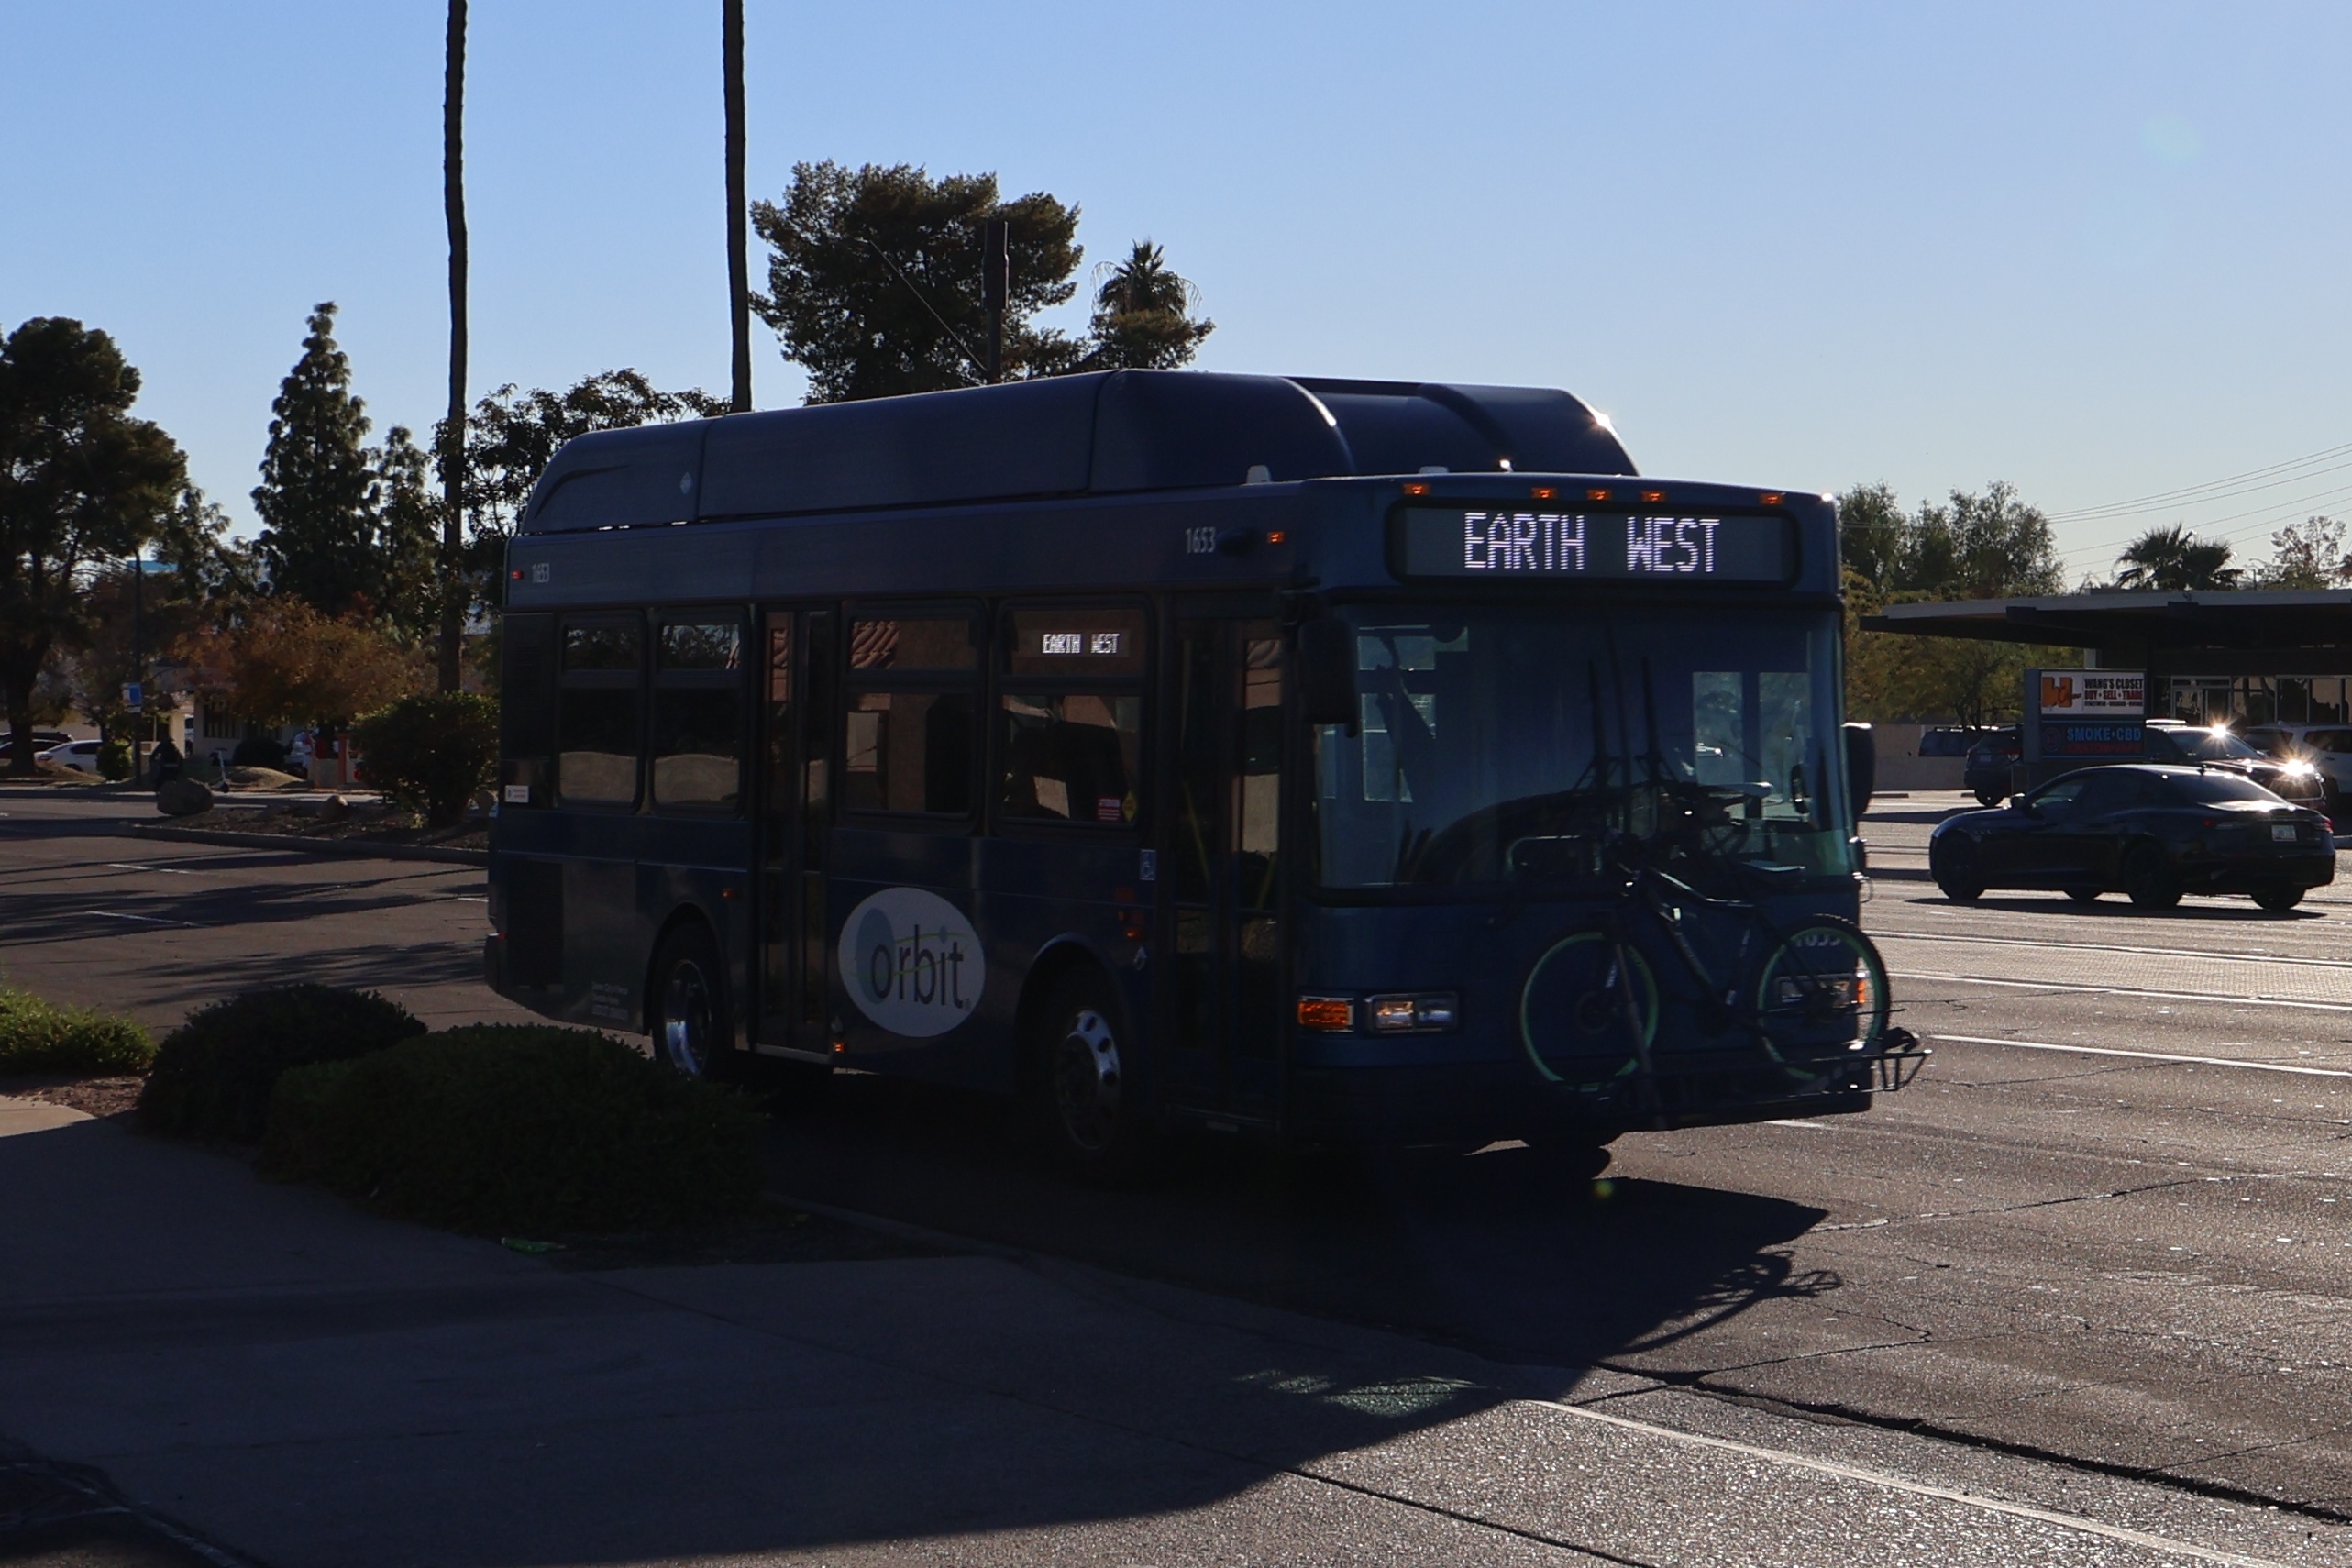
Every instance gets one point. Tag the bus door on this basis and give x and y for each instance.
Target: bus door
(795, 812)
(1225, 853)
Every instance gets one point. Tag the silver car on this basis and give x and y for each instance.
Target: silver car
(2326, 748)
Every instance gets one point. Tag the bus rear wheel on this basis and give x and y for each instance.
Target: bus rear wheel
(692, 1026)
(1082, 1081)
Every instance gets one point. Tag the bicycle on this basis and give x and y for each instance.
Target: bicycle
(1811, 996)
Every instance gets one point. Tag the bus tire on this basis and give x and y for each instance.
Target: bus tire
(1081, 1080)
(692, 1028)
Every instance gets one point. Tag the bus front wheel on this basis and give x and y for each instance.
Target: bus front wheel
(691, 1022)
(1081, 1076)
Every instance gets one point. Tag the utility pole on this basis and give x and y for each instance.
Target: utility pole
(738, 240)
(453, 448)
(996, 289)
(138, 692)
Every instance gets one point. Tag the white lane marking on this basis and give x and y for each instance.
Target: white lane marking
(2120, 991)
(2203, 954)
(134, 865)
(467, 899)
(1923, 1489)
(143, 920)
(2151, 1056)
(1808, 1126)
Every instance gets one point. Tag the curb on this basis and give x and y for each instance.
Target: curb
(292, 844)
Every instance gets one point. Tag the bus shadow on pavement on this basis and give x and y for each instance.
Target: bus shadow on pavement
(1491, 1251)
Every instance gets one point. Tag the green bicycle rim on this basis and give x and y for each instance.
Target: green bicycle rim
(1867, 962)
(1645, 1004)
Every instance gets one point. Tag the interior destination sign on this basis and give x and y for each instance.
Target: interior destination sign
(1496, 543)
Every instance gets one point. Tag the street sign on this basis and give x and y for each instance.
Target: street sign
(135, 695)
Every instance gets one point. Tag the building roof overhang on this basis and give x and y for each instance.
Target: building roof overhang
(2233, 618)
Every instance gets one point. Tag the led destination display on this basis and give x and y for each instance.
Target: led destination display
(1620, 546)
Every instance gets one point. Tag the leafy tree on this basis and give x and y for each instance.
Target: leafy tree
(1873, 535)
(1988, 545)
(514, 434)
(82, 485)
(347, 528)
(284, 663)
(2174, 560)
(1142, 316)
(874, 280)
(2313, 553)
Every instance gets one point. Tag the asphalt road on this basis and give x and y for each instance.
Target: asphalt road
(2066, 1242)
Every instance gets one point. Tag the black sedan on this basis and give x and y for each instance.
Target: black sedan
(2153, 832)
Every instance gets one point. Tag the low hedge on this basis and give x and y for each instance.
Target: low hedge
(213, 1073)
(518, 1128)
(39, 1037)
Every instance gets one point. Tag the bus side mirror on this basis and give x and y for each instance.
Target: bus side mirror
(1861, 766)
(1327, 672)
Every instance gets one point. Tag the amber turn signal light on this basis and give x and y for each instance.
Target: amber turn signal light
(1328, 1015)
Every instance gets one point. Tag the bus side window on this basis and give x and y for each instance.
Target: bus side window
(596, 713)
(698, 713)
(527, 712)
(1069, 725)
(911, 711)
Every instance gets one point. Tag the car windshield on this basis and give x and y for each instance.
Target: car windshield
(2214, 789)
(2216, 745)
(1510, 744)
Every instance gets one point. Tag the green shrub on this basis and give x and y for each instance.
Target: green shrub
(37, 1036)
(115, 761)
(528, 1127)
(213, 1073)
(431, 753)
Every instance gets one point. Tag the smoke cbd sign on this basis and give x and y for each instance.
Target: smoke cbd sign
(911, 961)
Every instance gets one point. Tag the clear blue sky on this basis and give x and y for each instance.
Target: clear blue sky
(2099, 250)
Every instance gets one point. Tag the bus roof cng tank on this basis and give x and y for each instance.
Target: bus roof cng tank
(1104, 433)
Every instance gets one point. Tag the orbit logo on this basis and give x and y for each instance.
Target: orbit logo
(911, 961)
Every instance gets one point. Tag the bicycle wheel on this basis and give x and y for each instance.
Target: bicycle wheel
(1822, 996)
(1583, 1018)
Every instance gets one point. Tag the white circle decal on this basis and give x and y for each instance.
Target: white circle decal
(911, 961)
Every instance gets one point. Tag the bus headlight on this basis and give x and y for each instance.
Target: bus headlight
(1429, 1012)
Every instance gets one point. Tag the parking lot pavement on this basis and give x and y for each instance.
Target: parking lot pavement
(91, 915)
(2064, 1241)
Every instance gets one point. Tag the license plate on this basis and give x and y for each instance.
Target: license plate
(2282, 833)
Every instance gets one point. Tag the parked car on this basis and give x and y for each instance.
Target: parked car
(2151, 831)
(1988, 770)
(42, 741)
(2326, 748)
(80, 755)
(2169, 740)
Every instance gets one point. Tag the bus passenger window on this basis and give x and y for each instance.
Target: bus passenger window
(909, 751)
(596, 721)
(697, 715)
(1070, 757)
(909, 723)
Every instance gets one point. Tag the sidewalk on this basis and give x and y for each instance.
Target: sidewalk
(302, 1384)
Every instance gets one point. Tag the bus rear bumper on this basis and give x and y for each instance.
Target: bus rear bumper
(1475, 1103)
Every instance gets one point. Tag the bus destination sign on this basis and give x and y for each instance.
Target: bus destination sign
(1614, 545)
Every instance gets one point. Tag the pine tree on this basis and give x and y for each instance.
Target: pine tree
(319, 487)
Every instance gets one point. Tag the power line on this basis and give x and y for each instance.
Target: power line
(2164, 500)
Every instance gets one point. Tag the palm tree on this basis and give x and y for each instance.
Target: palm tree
(1143, 315)
(2173, 560)
(453, 452)
(738, 261)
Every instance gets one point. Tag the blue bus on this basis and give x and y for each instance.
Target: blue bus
(1336, 761)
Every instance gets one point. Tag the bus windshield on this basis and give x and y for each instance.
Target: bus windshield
(1510, 744)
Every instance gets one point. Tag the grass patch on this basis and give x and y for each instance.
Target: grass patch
(215, 1074)
(518, 1128)
(39, 1037)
